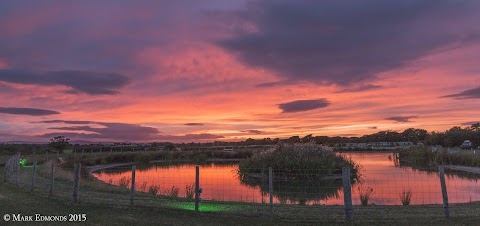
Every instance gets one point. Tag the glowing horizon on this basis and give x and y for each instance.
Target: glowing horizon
(191, 71)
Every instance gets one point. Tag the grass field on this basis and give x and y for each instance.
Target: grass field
(109, 205)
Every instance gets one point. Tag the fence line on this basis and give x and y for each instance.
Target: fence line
(302, 187)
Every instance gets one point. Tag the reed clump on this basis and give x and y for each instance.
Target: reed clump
(153, 189)
(190, 191)
(405, 197)
(365, 195)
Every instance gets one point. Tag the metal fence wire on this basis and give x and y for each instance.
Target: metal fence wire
(345, 194)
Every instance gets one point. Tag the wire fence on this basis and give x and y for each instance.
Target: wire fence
(337, 194)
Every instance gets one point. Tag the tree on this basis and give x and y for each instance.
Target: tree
(415, 135)
(59, 143)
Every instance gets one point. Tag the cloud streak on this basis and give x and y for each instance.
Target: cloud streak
(359, 88)
(27, 111)
(106, 131)
(67, 122)
(303, 105)
(194, 124)
(252, 131)
(401, 118)
(88, 82)
(467, 94)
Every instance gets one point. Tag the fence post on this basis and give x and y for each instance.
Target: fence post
(347, 194)
(197, 187)
(17, 167)
(441, 171)
(132, 188)
(10, 166)
(5, 172)
(34, 172)
(76, 181)
(52, 178)
(270, 187)
(13, 167)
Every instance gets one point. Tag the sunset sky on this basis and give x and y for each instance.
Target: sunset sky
(189, 70)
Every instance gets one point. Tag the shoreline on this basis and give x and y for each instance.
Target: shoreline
(468, 169)
(94, 168)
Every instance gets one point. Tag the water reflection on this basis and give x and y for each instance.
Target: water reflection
(380, 171)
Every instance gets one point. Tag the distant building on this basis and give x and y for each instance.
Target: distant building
(466, 145)
(228, 148)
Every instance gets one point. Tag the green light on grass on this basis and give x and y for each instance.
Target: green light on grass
(206, 207)
(23, 163)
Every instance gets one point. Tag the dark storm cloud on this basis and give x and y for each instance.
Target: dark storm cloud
(27, 111)
(252, 131)
(467, 94)
(303, 105)
(401, 118)
(344, 42)
(79, 81)
(194, 124)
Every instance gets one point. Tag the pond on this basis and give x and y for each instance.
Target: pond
(379, 171)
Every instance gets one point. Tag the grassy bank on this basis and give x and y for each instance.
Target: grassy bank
(144, 157)
(424, 157)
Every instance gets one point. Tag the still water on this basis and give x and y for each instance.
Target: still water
(379, 172)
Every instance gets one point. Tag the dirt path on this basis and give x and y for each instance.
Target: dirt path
(464, 168)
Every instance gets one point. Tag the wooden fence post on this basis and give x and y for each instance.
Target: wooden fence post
(17, 167)
(10, 166)
(5, 172)
(52, 178)
(132, 188)
(347, 194)
(76, 182)
(270, 187)
(197, 188)
(34, 172)
(441, 171)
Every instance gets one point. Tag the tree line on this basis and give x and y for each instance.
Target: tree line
(449, 138)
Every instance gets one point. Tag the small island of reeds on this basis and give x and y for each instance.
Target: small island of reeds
(301, 172)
